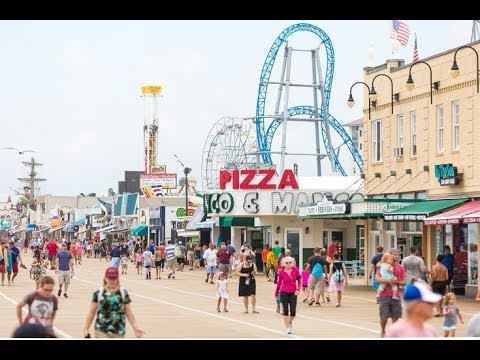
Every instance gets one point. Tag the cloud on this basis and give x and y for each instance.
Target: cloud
(75, 55)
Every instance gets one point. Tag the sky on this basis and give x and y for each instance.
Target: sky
(71, 89)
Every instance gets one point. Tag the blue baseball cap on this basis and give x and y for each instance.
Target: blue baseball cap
(420, 291)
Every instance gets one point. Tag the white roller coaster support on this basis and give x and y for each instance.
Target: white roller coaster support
(315, 115)
(285, 110)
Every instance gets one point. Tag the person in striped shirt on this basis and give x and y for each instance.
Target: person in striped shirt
(171, 259)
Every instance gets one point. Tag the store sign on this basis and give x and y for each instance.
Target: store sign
(328, 208)
(71, 228)
(253, 179)
(262, 203)
(446, 174)
(392, 206)
(405, 217)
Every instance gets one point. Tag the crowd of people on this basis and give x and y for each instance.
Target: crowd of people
(400, 284)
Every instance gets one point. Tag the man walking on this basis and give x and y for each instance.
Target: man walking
(65, 269)
(16, 258)
(210, 262)
(171, 259)
(448, 261)
(389, 307)
(414, 265)
(316, 280)
(223, 259)
(52, 249)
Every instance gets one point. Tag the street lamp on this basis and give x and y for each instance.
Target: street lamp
(373, 93)
(186, 171)
(456, 70)
(351, 102)
(410, 84)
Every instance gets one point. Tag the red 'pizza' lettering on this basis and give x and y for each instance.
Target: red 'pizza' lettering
(263, 184)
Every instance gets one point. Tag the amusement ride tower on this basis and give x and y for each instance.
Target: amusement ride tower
(151, 98)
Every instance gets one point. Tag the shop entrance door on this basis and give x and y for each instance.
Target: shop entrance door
(293, 241)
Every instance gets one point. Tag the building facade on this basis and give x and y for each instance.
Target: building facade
(421, 144)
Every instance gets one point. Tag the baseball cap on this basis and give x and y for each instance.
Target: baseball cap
(421, 292)
(111, 273)
(394, 251)
(179, 243)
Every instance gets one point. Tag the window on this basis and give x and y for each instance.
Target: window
(400, 131)
(377, 141)
(456, 125)
(375, 225)
(440, 128)
(413, 129)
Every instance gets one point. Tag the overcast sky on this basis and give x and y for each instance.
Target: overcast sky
(71, 89)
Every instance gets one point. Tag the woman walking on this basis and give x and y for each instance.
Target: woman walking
(289, 284)
(111, 305)
(338, 277)
(246, 285)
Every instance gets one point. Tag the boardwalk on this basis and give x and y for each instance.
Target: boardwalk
(186, 308)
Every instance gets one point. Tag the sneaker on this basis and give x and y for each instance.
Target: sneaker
(317, 304)
(65, 295)
(169, 275)
(289, 329)
(218, 310)
(173, 277)
(225, 310)
(206, 280)
(59, 292)
(311, 302)
(304, 300)
(211, 282)
(328, 299)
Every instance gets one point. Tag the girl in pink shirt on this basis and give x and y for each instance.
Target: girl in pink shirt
(288, 286)
(305, 275)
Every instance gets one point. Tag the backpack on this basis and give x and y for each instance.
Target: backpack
(338, 277)
(178, 252)
(317, 270)
(123, 293)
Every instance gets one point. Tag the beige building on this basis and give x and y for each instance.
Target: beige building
(422, 144)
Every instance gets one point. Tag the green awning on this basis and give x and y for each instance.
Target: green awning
(141, 230)
(236, 221)
(420, 211)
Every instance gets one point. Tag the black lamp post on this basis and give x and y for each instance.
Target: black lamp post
(456, 70)
(186, 171)
(351, 102)
(410, 84)
(373, 93)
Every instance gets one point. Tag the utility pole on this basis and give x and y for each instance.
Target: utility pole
(32, 180)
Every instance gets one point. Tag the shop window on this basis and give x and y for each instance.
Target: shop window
(460, 255)
(389, 225)
(412, 226)
(472, 254)
(376, 225)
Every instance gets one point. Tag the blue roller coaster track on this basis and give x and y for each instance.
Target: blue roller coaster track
(265, 137)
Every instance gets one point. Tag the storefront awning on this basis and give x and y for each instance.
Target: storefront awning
(188, 233)
(106, 228)
(207, 224)
(42, 228)
(56, 229)
(115, 231)
(420, 211)
(455, 216)
(79, 222)
(141, 230)
(236, 221)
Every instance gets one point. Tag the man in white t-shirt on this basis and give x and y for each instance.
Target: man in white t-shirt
(414, 265)
(210, 259)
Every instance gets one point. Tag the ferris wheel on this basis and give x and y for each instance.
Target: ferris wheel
(231, 144)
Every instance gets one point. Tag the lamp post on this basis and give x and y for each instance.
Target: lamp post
(351, 102)
(410, 84)
(373, 93)
(186, 171)
(456, 70)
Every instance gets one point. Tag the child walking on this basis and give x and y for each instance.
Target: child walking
(124, 262)
(222, 291)
(305, 275)
(451, 312)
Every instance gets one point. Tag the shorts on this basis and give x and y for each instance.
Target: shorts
(449, 328)
(147, 267)
(317, 285)
(224, 268)
(51, 257)
(171, 263)
(15, 267)
(63, 277)
(189, 255)
(389, 308)
(439, 287)
(211, 269)
(158, 263)
(181, 260)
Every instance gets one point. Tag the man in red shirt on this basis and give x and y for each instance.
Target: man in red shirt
(333, 248)
(264, 258)
(389, 307)
(52, 249)
(223, 259)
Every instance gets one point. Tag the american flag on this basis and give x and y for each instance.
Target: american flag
(401, 32)
(415, 51)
